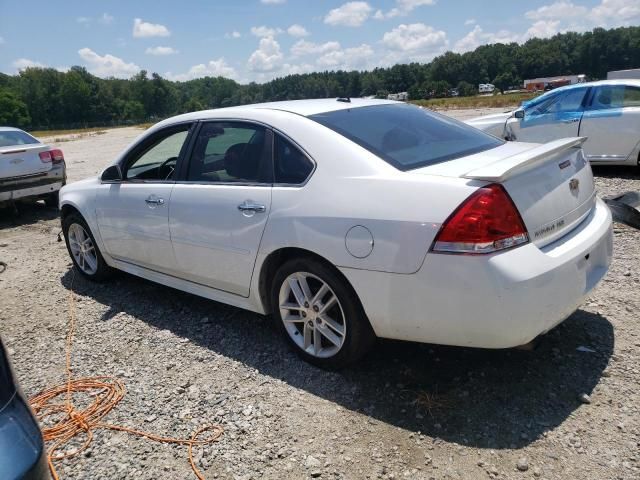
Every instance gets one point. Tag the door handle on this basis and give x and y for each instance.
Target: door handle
(153, 200)
(572, 120)
(251, 207)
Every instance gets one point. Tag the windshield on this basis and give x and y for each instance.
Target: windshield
(10, 138)
(407, 136)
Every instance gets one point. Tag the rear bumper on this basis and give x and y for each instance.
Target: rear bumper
(33, 185)
(495, 301)
(22, 453)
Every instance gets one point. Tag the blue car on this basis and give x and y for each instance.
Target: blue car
(22, 452)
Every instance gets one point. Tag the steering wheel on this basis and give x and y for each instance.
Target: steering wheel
(170, 168)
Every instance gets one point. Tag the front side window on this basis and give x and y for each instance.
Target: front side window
(289, 163)
(407, 136)
(569, 101)
(230, 152)
(158, 160)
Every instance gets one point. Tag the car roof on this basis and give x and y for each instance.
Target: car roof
(297, 107)
(622, 81)
(10, 129)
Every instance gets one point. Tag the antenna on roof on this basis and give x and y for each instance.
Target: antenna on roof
(343, 99)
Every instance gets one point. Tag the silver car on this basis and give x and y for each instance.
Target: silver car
(606, 112)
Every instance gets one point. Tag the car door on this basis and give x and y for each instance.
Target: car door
(611, 123)
(133, 213)
(557, 116)
(220, 206)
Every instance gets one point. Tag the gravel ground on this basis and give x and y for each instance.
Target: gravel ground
(569, 409)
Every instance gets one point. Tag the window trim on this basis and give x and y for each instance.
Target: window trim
(145, 144)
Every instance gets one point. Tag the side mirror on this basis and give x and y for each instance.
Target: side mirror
(519, 113)
(112, 174)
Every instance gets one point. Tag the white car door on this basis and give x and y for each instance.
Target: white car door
(612, 124)
(133, 214)
(551, 118)
(220, 205)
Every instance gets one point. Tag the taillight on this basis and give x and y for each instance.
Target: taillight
(52, 156)
(486, 222)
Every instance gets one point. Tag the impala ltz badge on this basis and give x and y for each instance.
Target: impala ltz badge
(574, 185)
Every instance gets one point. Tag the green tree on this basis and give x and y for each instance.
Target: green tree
(13, 112)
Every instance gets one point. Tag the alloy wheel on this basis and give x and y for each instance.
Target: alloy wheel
(312, 314)
(82, 249)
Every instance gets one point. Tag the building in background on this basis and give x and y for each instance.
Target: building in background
(626, 74)
(548, 83)
(486, 88)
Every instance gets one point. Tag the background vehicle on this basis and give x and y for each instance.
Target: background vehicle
(22, 453)
(349, 220)
(606, 112)
(29, 168)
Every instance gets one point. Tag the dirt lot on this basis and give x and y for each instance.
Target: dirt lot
(568, 410)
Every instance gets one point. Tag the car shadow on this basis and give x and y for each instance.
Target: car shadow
(25, 213)
(624, 172)
(483, 398)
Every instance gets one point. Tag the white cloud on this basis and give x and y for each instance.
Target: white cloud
(267, 58)
(542, 29)
(402, 8)
(470, 21)
(477, 37)
(264, 31)
(616, 12)
(83, 20)
(1, 41)
(145, 29)
(302, 48)
(106, 19)
(347, 59)
(351, 14)
(415, 41)
(559, 9)
(273, 2)
(161, 51)
(296, 30)
(234, 34)
(215, 68)
(24, 63)
(107, 65)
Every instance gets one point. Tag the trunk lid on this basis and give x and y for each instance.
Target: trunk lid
(23, 160)
(551, 185)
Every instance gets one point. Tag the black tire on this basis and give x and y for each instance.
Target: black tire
(103, 271)
(51, 200)
(359, 337)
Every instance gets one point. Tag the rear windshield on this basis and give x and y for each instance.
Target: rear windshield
(9, 138)
(407, 136)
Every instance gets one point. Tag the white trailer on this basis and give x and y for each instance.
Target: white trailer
(623, 74)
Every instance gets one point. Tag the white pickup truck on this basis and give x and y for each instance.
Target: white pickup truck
(29, 169)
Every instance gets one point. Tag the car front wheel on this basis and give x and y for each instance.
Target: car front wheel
(83, 249)
(320, 314)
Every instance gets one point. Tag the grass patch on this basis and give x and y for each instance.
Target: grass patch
(82, 131)
(490, 101)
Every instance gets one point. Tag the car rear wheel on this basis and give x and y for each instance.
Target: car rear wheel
(319, 314)
(83, 249)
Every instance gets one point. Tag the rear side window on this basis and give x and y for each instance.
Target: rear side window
(9, 138)
(615, 96)
(290, 164)
(407, 136)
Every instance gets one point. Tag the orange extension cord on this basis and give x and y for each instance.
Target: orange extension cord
(107, 392)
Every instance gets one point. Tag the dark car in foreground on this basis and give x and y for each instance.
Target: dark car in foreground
(22, 452)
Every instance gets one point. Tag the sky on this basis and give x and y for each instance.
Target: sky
(258, 40)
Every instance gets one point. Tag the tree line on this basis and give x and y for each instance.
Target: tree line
(46, 98)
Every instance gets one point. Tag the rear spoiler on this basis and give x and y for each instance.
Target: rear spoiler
(507, 167)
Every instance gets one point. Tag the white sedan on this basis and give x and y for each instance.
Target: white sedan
(349, 220)
(606, 112)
